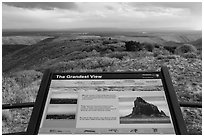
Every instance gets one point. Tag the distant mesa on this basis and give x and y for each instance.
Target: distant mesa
(143, 109)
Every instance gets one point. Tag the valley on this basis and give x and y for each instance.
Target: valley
(27, 54)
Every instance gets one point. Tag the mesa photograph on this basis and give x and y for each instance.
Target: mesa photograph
(143, 109)
(100, 37)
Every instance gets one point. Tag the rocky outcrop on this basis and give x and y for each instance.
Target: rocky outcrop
(144, 109)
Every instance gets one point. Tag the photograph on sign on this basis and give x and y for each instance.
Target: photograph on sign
(146, 109)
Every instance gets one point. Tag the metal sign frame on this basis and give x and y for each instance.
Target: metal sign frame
(177, 118)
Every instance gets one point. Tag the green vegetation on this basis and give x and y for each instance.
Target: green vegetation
(170, 48)
(118, 55)
(149, 47)
(22, 70)
(11, 48)
(137, 46)
(189, 55)
(133, 46)
(21, 87)
(186, 48)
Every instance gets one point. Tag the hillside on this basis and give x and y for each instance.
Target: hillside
(160, 38)
(22, 40)
(23, 65)
(197, 43)
(44, 49)
(8, 49)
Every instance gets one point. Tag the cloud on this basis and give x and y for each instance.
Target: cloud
(91, 14)
(43, 5)
(193, 7)
(109, 7)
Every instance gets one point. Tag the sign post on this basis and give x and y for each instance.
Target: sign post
(107, 103)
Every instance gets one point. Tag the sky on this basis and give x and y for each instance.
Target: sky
(131, 15)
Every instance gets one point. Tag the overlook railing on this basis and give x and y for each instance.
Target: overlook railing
(31, 104)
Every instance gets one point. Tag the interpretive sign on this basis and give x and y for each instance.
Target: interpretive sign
(107, 103)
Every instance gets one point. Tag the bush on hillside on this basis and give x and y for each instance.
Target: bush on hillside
(81, 55)
(95, 62)
(9, 90)
(160, 51)
(118, 55)
(193, 120)
(189, 55)
(109, 41)
(185, 48)
(91, 47)
(137, 46)
(157, 45)
(149, 47)
(96, 47)
(87, 63)
(170, 49)
(26, 77)
(133, 46)
(140, 54)
(77, 55)
(18, 122)
(98, 62)
(116, 47)
(166, 57)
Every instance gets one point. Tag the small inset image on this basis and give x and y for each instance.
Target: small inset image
(64, 97)
(61, 111)
(63, 101)
(143, 110)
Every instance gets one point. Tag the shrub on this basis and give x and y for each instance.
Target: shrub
(88, 63)
(96, 62)
(133, 46)
(170, 48)
(157, 46)
(160, 51)
(7, 118)
(118, 55)
(117, 47)
(11, 92)
(160, 57)
(148, 46)
(81, 55)
(61, 66)
(166, 57)
(18, 121)
(6, 115)
(26, 77)
(77, 55)
(139, 54)
(185, 48)
(109, 41)
(96, 47)
(91, 47)
(189, 55)
(31, 91)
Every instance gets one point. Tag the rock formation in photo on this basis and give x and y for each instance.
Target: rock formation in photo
(144, 109)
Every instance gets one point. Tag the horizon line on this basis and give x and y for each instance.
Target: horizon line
(95, 28)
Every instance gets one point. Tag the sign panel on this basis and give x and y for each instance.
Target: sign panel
(106, 103)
